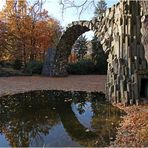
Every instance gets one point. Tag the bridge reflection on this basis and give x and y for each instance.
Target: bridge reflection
(29, 119)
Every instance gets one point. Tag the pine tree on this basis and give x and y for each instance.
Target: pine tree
(81, 47)
(96, 49)
(101, 8)
(98, 56)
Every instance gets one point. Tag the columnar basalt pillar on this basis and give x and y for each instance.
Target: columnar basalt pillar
(120, 35)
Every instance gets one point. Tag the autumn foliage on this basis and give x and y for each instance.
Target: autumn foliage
(26, 31)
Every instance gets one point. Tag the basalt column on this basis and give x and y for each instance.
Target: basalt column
(126, 55)
(144, 28)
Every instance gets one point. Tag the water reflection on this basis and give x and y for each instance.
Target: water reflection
(57, 118)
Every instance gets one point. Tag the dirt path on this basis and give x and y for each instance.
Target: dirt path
(11, 85)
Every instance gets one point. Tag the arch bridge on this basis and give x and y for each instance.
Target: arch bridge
(121, 31)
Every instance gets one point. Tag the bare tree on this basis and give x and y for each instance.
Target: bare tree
(80, 6)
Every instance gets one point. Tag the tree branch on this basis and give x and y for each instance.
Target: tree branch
(66, 4)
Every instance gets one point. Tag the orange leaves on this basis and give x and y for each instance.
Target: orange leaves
(134, 128)
(45, 33)
(72, 58)
(33, 31)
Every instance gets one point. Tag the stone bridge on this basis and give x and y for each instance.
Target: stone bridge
(121, 30)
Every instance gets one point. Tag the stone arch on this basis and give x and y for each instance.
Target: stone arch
(119, 30)
(69, 37)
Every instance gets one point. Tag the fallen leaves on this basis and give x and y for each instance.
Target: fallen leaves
(133, 131)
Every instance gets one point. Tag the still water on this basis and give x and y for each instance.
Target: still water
(57, 118)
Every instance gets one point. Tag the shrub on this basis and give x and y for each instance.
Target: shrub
(1, 63)
(101, 66)
(17, 64)
(6, 64)
(87, 66)
(7, 72)
(82, 67)
(34, 67)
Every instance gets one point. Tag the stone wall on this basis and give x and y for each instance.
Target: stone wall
(119, 31)
(121, 38)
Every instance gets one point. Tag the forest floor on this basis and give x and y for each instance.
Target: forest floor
(133, 130)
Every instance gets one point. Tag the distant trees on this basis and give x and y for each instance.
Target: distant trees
(4, 50)
(79, 50)
(96, 49)
(100, 8)
(81, 47)
(26, 31)
(83, 5)
(98, 62)
(98, 56)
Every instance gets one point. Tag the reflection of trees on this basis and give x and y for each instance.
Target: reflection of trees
(72, 125)
(79, 101)
(22, 121)
(26, 117)
(105, 117)
(105, 120)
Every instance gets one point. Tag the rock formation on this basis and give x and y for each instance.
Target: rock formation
(122, 31)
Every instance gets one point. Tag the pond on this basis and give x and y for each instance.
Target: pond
(57, 118)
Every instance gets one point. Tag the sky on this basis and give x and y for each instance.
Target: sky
(71, 14)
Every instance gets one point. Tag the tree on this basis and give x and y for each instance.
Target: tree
(29, 30)
(98, 56)
(3, 42)
(83, 5)
(96, 49)
(80, 47)
(101, 8)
